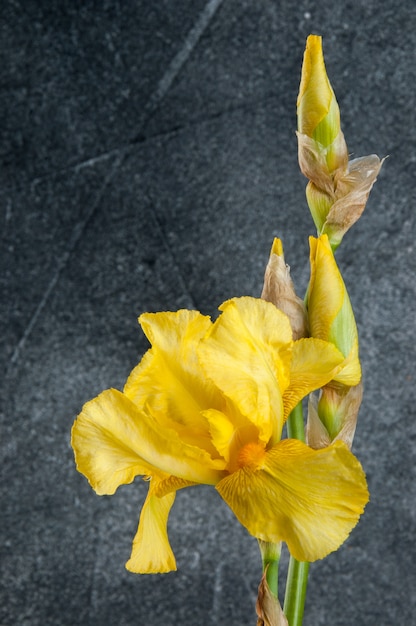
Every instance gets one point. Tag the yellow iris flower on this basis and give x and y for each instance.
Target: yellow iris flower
(207, 404)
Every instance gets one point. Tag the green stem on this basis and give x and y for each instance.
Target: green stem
(295, 427)
(297, 580)
(270, 554)
(297, 576)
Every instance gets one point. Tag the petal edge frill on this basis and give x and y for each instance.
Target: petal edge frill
(311, 499)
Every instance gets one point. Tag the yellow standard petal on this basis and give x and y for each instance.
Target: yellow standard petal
(151, 552)
(247, 355)
(330, 312)
(311, 499)
(114, 441)
(169, 379)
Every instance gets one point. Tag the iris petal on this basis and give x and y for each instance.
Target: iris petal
(314, 363)
(114, 442)
(169, 379)
(104, 447)
(151, 552)
(247, 355)
(311, 499)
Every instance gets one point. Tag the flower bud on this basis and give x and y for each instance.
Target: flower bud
(334, 416)
(338, 190)
(329, 309)
(279, 290)
(318, 110)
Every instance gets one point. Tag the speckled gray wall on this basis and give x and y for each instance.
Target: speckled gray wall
(148, 157)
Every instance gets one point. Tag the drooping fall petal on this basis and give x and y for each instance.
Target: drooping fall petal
(151, 551)
(311, 499)
(103, 446)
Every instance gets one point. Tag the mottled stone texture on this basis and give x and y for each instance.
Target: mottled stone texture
(148, 157)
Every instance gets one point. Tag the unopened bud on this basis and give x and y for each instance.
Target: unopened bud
(338, 190)
(318, 110)
(329, 309)
(334, 416)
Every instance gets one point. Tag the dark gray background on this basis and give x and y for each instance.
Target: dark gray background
(148, 157)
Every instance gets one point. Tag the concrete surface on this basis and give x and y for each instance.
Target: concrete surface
(148, 157)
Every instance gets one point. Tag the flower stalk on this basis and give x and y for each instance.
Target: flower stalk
(270, 554)
(295, 596)
(297, 575)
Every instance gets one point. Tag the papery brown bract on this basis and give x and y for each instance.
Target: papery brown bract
(268, 609)
(279, 290)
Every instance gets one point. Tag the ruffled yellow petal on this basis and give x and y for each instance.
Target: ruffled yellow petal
(311, 499)
(169, 379)
(314, 363)
(151, 552)
(114, 442)
(247, 355)
(104, 451)
(330, 312)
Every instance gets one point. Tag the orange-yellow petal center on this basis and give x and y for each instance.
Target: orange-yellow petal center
(252, 455)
